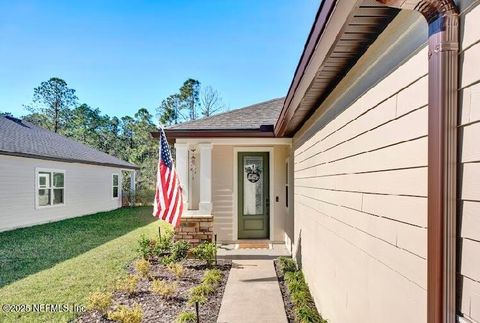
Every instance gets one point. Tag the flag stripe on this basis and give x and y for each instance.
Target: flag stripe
(168, 203)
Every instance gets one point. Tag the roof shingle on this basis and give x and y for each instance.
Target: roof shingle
(251, 117)
(22, 138)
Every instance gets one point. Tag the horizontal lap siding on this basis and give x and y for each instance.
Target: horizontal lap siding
(88, 189)
(360, 203)
(469, 131)
(222, 191)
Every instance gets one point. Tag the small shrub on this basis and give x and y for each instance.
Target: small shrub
(179, 252)
(202, 290)
(176, 269)
(297, 286)
(127, 284)
(124, 314)
(142, 267)
(98, 301)
(186, 317)
(212, 277)
(144, 196)
(196, 298)
(294, 276)
(287, 264)
(301, 297)
(165, 243)
(163, 288)
(146, 246)
(205, 251)
(305, 314)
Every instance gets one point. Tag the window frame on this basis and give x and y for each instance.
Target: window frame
(117, 186)
(51, 188)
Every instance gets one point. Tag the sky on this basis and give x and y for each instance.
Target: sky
(120, 55)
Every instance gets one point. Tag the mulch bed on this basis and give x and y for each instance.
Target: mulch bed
(287, 303)
(157, 309)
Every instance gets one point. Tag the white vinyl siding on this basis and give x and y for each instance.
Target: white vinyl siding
(88, 189)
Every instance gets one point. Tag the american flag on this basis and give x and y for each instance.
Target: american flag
(168, 204)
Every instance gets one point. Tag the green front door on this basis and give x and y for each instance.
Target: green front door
(253, 195)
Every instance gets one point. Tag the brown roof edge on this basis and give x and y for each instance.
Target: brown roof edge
(323, 14)
(215, 133)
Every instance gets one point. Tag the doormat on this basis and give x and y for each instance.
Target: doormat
(253, 245)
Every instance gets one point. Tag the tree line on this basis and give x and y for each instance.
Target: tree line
(55, 106)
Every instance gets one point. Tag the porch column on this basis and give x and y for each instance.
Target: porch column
(205, 204)
(181, 164)
(132, 187)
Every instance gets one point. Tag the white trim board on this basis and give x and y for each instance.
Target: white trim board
(271, 216)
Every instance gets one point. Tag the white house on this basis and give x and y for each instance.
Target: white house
(46, 177)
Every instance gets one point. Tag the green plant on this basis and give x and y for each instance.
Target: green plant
(305, 314)
(142, 267)
(179, 252)
(205, 251)
(293, 276)
(287, 264)
(146, 246)
(124, 314)
(196, 298)
(301, 297)
(165, 243)
(144, 196)
(202, 290)
(127, 284)
(186, 317)
(176, 269)
(163, 288)
(297, 286)
(99, 301)
(212, 277)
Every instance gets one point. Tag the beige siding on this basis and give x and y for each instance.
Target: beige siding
(88, 189)
(469, 216)
(223, 191)
(361, 187)
(360, 202)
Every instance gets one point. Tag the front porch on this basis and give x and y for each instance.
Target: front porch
(225, 196)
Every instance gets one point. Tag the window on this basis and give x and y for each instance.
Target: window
(115, 186)
(50, 188)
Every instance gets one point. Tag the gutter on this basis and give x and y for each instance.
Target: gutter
(262, 132)
(442, 18)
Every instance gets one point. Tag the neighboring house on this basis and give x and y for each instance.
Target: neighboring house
(46, 177)
(365, 153)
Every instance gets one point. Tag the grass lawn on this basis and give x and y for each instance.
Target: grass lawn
(62, 262)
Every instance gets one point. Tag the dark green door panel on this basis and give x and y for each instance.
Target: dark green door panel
(253, 195)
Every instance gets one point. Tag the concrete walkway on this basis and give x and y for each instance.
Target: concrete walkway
(252, 293)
